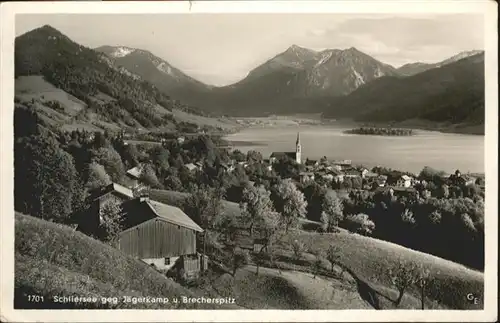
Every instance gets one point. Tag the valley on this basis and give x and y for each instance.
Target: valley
(132, 177)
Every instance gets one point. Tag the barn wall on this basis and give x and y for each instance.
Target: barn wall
(160, 263)
(157, 239)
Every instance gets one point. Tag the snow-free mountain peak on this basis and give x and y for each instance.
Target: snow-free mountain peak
(419, 67)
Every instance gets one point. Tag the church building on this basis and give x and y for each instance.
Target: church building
(296, 155)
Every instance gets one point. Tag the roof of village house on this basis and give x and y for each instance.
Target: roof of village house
(342, 162)
(406, 177)
(190, 166)
(113, 187)
(403, 189)
(353, 172)
(173, 215)
(306, 173)
(371, 174)
(334, 171)
(279, 154)
(135, 172)
(384, 177)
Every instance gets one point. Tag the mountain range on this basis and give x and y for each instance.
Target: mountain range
(339, 83)
(75, 87)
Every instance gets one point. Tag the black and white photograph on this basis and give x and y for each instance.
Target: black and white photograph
(177, 157)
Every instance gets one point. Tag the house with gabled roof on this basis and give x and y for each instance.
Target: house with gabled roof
(404, 181)
(159, 234)
(134, 175)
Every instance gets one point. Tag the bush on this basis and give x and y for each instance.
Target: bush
(359, 223)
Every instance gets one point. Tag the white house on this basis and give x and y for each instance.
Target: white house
(404, 181)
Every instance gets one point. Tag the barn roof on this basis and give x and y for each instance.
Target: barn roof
(173, 215)
(135, 172)
(113, 187)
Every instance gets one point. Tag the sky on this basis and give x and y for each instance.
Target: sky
(220, 49)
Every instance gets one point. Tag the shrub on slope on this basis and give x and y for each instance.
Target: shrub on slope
(54, 260)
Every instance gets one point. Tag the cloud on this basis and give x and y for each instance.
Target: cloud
(400, 40)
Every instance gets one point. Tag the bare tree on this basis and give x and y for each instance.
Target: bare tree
(298, 249)
(333, 255)
(240, 259)
(403, 275)
(316, 265)
(423, 280)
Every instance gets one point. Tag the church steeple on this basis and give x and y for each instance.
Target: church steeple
(298, 149)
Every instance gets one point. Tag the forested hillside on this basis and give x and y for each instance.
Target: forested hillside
(453, 93)
(109, 92)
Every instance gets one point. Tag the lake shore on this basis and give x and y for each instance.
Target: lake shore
(439, 150)
(416, 124)
(370, 131)
(243, 143)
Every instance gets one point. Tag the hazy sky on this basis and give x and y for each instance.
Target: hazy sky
(221, 49)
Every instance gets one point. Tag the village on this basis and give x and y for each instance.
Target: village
(165, 237)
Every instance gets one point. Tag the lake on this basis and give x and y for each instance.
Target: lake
(442, 151)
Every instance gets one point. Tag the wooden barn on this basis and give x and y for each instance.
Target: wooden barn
(160, 235)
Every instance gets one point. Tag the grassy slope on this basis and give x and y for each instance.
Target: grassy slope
(37, 88)
(370, 259)
(52, 259)
(288, 290)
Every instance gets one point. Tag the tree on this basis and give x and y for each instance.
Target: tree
(46, 183)
(203, 206)
(254, 156)
(314, 195)
(403, 275)
(160, 159)
(238, 156)
(272, 230)
(333, 255)
(423, 280)
(97, 177)
(444, 191)
(360, 223)
(316, 265)
(332, 211)
(255, 205)
(173, 183)
(148, 177)
(240, 259)
(130, 155)
(286, 168)
(298, 249)
(100, 140)
(111, 215)
(290, 203)
(111, 160)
